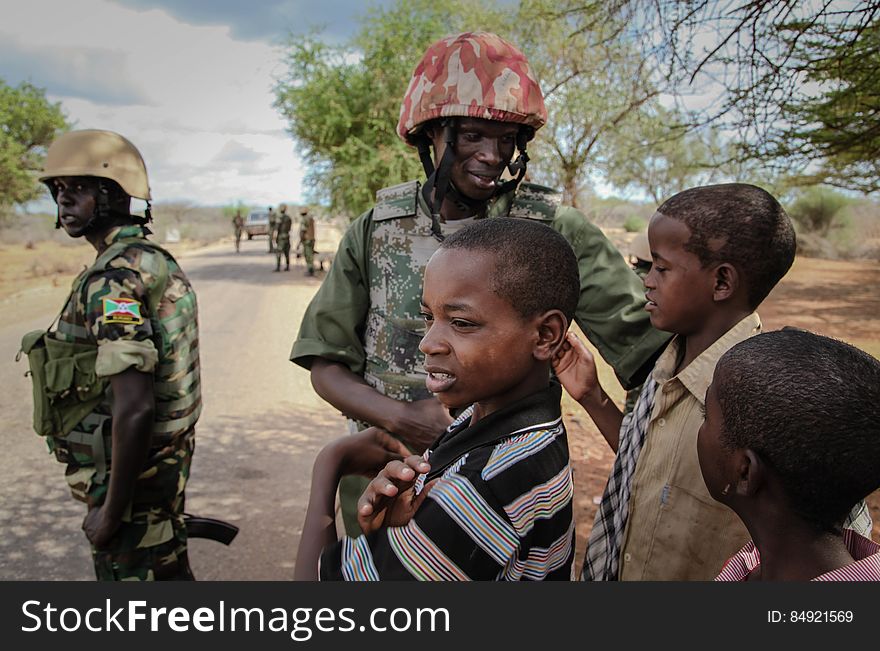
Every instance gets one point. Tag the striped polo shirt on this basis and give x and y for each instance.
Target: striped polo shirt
(500, 511)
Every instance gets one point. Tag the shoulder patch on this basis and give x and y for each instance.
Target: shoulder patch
(396, 201)
(122, 310)
(534, 201)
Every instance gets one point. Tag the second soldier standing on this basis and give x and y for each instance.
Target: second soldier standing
(307, 239)
(282, 238)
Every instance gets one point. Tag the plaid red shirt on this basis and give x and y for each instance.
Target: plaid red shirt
(866, 566)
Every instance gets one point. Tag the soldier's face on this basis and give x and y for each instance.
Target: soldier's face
(483, 149)
(478, 348)
(76, 197)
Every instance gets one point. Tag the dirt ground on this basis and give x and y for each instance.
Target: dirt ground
(834, 298)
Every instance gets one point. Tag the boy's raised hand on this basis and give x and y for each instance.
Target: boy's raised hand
(390, 499)
(575, 367)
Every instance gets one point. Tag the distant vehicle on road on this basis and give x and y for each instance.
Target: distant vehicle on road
(257, 223)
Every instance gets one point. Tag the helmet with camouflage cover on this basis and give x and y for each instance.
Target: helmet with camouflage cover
(471, 75)
(98, 153)
(477, 75)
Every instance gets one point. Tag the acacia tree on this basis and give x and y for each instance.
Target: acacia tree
(28, 124)
(799, 78)
(595, 83)
(667, 155)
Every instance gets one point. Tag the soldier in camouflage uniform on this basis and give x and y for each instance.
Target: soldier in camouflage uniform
(282, 238)
(117, 388)
(307, 240)
(238, 226)
(473, 101)
(273, 225)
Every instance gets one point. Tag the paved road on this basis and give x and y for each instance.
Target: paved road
(260, 429)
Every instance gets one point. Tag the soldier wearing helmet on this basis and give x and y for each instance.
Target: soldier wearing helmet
(307, 239)
(281, 235)
(116, 380)
(470, 110)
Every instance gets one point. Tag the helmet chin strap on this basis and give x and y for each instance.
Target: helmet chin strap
(103, 210)
(439, 179)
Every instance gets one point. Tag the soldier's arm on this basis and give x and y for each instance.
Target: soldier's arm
(417, 423)
(118, 320)
(132, 419)
(330, 345)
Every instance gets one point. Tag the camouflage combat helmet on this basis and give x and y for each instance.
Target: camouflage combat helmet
(103, 154)
(477, 75)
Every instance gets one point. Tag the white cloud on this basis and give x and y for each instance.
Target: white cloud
(196, 102)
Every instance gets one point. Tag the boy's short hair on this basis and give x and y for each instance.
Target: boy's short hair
(741, 224)
(807, 405)
(535, 267)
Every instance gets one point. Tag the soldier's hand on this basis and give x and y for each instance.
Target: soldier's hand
(419, 423)
(575, 368)
(390, 499)
(98, 527)
(368, 451)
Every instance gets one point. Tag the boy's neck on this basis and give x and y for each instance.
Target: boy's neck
(793, 550)
(713, 328)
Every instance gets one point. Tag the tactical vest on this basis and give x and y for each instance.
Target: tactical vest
(399, 249)
(72, 404)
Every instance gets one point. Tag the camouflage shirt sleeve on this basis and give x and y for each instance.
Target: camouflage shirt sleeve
(117, 319)
(333, 324)
(611, 310)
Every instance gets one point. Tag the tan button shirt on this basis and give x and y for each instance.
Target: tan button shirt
(675, 530)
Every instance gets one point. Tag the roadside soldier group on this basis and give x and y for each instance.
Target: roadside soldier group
(471, 108)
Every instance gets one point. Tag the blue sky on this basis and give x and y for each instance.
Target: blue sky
(189, 82)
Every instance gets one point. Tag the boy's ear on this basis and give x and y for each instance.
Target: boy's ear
(750, 472)
(552, 326)
(727, 281)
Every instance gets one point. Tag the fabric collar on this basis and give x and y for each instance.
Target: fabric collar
(865, 565)
(697, 376)
(120, 232)
(541, 407)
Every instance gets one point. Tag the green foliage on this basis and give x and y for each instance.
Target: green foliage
(28, 124)
(800, 82)
(817, 210)
(634, 224)
(660, 154)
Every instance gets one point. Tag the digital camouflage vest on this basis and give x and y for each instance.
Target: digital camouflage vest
(400, 247)
(75, 403)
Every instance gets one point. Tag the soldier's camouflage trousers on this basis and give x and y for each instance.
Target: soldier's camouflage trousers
(309, 254)
(150, 544)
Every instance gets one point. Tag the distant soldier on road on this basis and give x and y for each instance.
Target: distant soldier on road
(273, 225)
(238, 225)
(282, 238)
(307, 239)
(116, 382)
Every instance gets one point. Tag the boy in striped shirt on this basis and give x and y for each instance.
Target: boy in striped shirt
(790, 443)
(492, 498)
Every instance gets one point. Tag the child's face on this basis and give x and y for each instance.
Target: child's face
(714, 457)
(679, 290)
(478, 348)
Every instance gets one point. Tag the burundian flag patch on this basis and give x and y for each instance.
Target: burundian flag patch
(122, 310)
